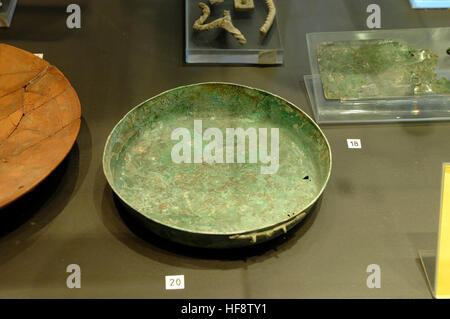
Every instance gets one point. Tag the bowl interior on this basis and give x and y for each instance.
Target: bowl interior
(228, 182)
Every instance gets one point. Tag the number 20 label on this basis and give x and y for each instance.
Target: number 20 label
(174, 282)
(354, 143)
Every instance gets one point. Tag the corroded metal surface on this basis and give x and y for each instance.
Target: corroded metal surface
(218, 204)
(39, 121)
(378, 68)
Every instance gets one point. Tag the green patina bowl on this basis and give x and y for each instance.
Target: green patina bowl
(217, 165)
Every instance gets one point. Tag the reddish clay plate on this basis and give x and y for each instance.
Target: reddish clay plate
(39, 121)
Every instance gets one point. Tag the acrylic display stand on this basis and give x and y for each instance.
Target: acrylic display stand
(218, 46)
(7, 12)
(408, 108)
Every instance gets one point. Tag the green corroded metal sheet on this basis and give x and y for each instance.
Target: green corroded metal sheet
(378, 69)
(217, 204)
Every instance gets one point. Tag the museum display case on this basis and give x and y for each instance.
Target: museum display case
(224, 149)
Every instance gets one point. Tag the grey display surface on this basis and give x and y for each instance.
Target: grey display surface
(380, 207)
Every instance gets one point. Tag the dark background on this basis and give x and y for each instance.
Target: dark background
(381, 204)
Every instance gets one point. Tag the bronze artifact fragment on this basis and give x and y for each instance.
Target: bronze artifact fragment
(377, 69)
(244, 5)
(270, 17)
(224, 23)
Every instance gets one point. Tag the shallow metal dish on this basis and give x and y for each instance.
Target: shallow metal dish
(216, 205)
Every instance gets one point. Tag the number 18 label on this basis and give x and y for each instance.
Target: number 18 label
(174, 282)
(354, 143)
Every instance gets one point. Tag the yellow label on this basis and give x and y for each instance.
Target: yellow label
(443, 253)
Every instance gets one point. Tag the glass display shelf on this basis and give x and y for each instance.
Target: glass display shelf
(219, 46)
(356, 96)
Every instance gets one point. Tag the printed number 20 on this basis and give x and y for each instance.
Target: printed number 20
(174, 282)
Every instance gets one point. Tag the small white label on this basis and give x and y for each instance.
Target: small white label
(174, 282)
(39, 55)
(354, 143)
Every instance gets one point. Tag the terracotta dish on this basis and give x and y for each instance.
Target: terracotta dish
(39, 121)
